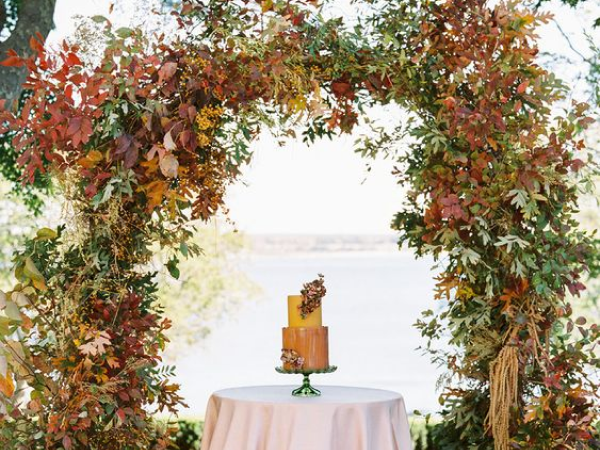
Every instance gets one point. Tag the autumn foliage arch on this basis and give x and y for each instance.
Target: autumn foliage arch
(151, 137)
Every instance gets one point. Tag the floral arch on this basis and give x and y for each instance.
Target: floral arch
(151, 137)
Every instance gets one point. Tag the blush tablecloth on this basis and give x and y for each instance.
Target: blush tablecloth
(269, 418)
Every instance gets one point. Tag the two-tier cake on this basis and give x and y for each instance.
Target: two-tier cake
(305, 339)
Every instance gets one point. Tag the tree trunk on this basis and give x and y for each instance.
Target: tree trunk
(2, 15)
(33, 16)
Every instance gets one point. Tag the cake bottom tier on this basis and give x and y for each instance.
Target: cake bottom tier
(312, 344)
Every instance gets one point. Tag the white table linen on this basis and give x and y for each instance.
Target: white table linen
(269, 418)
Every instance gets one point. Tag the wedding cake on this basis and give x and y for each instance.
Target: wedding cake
(305, 339)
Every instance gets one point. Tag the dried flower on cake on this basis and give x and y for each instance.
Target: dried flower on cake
(291, 357)
(312, 295)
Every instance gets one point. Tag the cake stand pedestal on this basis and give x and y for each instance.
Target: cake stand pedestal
(306, 390)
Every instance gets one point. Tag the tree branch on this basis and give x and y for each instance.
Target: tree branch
(33, 16)
(568, 39)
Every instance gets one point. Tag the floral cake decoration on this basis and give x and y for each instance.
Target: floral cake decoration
(312, 295)
(293, 358)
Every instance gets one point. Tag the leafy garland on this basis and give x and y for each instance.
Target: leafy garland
(152, 136)
(493, 191)
(139, 145)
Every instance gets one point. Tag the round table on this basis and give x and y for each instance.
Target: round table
(269, 418)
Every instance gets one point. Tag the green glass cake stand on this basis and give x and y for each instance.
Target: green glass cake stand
(306, 390)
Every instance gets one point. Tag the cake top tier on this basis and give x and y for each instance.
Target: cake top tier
(305, 310)
(295, 319)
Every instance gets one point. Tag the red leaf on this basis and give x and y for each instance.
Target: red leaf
(91, 190)
(69, 92)
(124, 143)
(66, 441)
(340, 88)
(131, 157)
(76, 79)
(37, 45)
(86, 130)
(192, 111)
(167, 71)
(13, 61)
(73, 59)
(103, 176)
(74, 126)
(121, 414)
(577, 165)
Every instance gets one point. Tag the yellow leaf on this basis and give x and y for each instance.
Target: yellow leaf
(91, 159)
(267, 5)
(45, 234)
(7, 385)
(297, 104)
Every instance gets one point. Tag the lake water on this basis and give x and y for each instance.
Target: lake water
(372, 302)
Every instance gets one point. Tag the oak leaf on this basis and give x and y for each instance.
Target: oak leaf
(97, 344)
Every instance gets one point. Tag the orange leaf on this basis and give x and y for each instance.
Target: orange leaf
(7, 385)
(155, 193)
(91, 159)
(522, 87)
(112, 362)
(531, 415)
(40, 285)
(492, 143)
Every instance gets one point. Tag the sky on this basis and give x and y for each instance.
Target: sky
(326, 188)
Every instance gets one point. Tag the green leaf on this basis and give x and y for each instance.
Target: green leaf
(172, 267)
(4, 326)
(31, 271)
(12, 311)
(100, 19)
(124, 32)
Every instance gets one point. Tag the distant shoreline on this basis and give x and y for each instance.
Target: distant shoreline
(277, 244)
